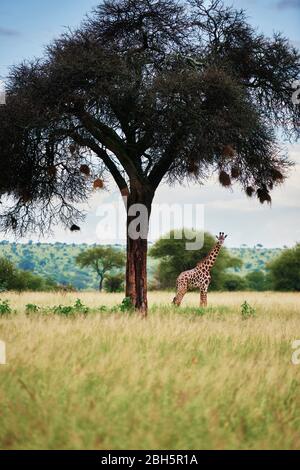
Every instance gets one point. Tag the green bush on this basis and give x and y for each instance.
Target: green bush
(258, 281)
(126, 305)
(114, 282)
(31, 308)
(5, 308)
(233, 282)
(12, 278)
(102, 260)
(71, 310)
(247, 311)
(8, 273)
(285, 270)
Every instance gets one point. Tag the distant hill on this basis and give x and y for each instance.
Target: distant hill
(254, 259)
(57, 261)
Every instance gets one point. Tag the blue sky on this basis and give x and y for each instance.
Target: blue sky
(26, 26)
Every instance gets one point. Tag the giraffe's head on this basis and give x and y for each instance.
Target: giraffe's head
(221, 238)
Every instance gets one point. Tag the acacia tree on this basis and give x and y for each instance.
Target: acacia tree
(146, 90)
(101, 260)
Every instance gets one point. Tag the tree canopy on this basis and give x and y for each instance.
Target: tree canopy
(258, 281)
(15, 279)
(102, 260)
(285, 270)
(145, 89)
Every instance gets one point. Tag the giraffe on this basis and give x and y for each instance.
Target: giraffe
(200, 275)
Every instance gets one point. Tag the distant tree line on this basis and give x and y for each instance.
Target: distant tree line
(107, 263)
(12, 278)
(285, 270)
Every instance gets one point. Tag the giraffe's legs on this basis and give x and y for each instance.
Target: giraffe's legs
(203, 298)
(179, 295)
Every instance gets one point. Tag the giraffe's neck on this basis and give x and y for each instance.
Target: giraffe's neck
(210, 259)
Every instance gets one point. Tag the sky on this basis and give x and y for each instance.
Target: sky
(27, 26)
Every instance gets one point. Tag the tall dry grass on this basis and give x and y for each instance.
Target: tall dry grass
(176, 380)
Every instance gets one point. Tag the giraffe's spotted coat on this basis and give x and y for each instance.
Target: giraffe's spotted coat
(199, 276)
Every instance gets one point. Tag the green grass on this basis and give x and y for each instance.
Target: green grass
(184, 378)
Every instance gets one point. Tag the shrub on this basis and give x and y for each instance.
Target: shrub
(173, 258)
(247, 311)
(12, 278)
(257, 281)
(79, 307)
(126, 305)
(7, 273)
(233, 282)
(285, 270)
(63, 310)
(3, 286)
(31, 308)
(5, 308)
(114, 282)
(71, 310)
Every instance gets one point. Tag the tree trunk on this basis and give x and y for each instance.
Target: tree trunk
(136, 266)
(101, 284)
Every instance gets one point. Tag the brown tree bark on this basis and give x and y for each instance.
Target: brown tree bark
(136, 266)
(101, 283)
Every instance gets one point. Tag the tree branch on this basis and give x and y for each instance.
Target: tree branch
(101, 153)
(110, 139)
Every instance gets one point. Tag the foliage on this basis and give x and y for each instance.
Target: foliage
(8, 273)
(101, 260)
(258, 281)
(247, 311)
(5, 308)
(142, 106)
(285, 270)
(57, 262)
(12, 278)
(114, 282)
(233, 282)
(253, 259)
(54, 261)
(159, 90)
(3, 287)
(78, 308)
(29, 281)
(174, 258)
(54, 265)
(125, 306)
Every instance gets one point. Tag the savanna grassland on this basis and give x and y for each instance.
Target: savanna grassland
(179, 380)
